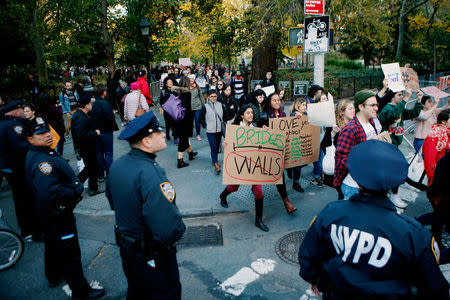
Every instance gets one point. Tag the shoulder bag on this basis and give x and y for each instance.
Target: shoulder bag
(174, 108)
(139, 111)
(416, 172)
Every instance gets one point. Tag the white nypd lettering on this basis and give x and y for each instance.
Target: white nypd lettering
(343, 240)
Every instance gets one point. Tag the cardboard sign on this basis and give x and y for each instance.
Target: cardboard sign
(410, 79)
(253, 155)
(302, 140)
(269, 90)
(185, 62)
(434, 92)
(393, 74)
(314, 7)
(322, 113)
(317, 32)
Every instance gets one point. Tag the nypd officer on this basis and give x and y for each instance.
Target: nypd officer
(363, 249)
(13, 150)
(148, 222)
(57, 192)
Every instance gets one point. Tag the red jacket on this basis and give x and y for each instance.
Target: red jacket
(145, 90)
(431, 155)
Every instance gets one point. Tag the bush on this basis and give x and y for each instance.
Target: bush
(345, 64)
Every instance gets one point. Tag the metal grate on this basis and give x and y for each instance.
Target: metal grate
(201, 235)
(288, 245)
(446, 239)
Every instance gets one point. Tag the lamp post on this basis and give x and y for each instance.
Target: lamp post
(213, 47)
(145, 30)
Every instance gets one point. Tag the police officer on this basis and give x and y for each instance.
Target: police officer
(363, 249)
(13, 150)
(57, 192)
(148, 222)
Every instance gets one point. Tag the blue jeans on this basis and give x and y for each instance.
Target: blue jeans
(349, 191)
(104, 153)
(214, 143)
(317, 170)
(418, 143)
(197, 121)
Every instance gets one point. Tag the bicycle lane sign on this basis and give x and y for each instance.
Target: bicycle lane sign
(317, 33)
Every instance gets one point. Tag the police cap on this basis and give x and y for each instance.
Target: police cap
(377, 165)
(141, 127)
(36, 126)
(85, 99)
(10, 106)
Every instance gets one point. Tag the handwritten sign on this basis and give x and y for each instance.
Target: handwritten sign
(410, 79)
(322, 113)
(185, 62)
(394, 76)
(302, 140)
(434, 92)
(253, 155)
(269, 90)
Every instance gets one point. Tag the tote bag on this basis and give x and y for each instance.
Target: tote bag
(328, 160)
(174, 108)
(416, 172)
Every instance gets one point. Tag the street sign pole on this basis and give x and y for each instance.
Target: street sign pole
(319, 68)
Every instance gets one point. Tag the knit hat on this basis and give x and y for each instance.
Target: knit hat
(362, 96)
(134, 86)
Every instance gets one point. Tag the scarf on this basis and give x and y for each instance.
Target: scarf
(441, 133)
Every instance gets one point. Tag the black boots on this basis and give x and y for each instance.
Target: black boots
(223, 198)
(181, 163)
(258, 215)
(192, 155)
(296, 186)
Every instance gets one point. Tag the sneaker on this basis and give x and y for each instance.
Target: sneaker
(398, 202)
(317, 182)
(199, 138)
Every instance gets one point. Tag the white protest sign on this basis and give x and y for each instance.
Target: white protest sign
(269, 90)
(201, 82)
(394, 76)
(322, 113)
(192, 76)
(163, 76)
(185, 62)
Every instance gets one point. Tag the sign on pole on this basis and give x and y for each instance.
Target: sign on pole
(302, 140)
(296, 36)
(317, 32)
(300, 88)
(314, 7)
(253, 155)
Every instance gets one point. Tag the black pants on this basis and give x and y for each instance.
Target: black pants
(62, 253)
(153, 282)
(90, 167)
(24, 203)
(282, 189)
(169, 123)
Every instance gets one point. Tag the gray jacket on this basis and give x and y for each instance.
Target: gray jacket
(212, 121)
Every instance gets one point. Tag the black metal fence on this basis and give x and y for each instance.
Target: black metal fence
(344, 87)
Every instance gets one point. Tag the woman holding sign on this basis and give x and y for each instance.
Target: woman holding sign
(271, 108)
(245, 118)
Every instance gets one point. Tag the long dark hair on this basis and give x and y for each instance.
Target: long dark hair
(241, 111)
(266, 106)
(185, 82)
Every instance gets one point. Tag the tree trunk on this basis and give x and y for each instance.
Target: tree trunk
(107, 40)
(264, 59)
(38, 47)
(401, 35)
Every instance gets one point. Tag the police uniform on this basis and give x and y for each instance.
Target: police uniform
(13, 150)
(148, 222)
(57, 190)
(363, 248)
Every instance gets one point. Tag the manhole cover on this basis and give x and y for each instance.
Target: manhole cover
(287, 246)
(201, 235)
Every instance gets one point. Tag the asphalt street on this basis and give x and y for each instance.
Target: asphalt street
(243, 263)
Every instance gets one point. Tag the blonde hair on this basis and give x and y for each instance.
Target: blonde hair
(297, 102)
(340, 109)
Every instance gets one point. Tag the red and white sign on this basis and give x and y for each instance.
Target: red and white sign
(314, 7)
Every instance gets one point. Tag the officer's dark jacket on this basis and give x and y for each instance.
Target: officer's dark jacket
(365, 247)
(52, 179)
(143, 198)
(83, 131)
(13, 145)
(103, 115)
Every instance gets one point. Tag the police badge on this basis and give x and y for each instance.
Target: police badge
(168, 191)
(46, 168)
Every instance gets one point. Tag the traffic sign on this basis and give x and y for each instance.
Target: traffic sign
(314, 7)
(296, 36)
(317, 32)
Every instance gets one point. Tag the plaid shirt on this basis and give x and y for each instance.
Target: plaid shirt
(351, 135)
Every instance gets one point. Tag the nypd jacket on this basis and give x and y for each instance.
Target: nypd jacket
(13, 145)
(365, 248)
(143, 198)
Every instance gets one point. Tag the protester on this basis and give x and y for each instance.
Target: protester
(245, 118)
(133, 101)
(143, 86)
(388, 253)
(52, 111)
(426, 119)
(168, 83)
(220, 86)
(268, 81)
(256, 100)
(212, 115)
(437, 143)
(105, 121)
(197, 103)
(68, 98)
(88, 88)
(272, 109)
(29, 111)
(239, 87)
(230, 104)
(313, 91)
(358, 130)
(385, 95)
(183, 128)
(202, 80)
